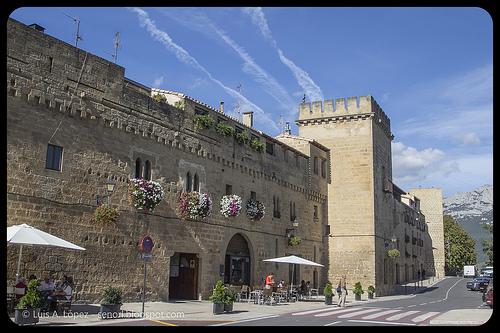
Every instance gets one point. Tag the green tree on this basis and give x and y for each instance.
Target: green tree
(458, 246)
(488, 243)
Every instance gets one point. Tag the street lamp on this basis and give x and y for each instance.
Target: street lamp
(110, 187)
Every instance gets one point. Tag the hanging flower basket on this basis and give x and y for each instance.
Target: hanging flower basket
(194, 205)
(230, 205)
(294, 240)
(255, 210)
(145, 194)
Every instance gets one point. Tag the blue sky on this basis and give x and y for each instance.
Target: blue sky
(430, 69)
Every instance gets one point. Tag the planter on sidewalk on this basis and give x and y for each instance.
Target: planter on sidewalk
(328, 300)
(109, 311)
(228, 307)
(370, 296)
(357, 297)
(218, 308)
(27, 316)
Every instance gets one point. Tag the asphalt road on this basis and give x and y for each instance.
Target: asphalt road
(448, 294)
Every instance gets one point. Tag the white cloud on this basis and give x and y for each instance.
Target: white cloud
(158, 82)
(311, 89)
(182, 55)
(410, 163)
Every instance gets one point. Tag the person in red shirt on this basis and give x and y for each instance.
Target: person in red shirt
(21, 288)
(270, 281)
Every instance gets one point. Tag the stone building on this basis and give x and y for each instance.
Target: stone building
(74, 122)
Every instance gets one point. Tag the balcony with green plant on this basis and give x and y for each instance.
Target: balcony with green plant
(202, 122)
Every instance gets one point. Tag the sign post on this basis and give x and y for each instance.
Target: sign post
(145, 247)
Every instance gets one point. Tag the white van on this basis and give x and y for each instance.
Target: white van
(470, 271)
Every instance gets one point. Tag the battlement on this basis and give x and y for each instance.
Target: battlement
(343, 108)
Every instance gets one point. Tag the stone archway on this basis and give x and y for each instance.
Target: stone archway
(237, 261)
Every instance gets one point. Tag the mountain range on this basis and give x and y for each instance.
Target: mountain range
(471, 210)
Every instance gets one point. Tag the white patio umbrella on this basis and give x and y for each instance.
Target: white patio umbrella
(24, 234)
(294, 260)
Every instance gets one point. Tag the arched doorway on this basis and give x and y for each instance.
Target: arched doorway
(237, 263)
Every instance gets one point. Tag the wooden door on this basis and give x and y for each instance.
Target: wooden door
(184, 283)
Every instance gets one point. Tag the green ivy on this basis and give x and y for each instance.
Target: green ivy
(202, 122)
(241, 137)
(371, 290)
(104, 214)
(224, 129)
(111, 295)
(257, 145)
(219, 293)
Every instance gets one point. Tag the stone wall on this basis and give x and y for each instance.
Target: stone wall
(64, 96)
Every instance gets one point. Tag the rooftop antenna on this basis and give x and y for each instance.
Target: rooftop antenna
(116, 43)
(77, 21)
(237, 105)
(304, 98)
(281, 124)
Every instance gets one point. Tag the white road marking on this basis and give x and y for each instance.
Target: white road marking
(444, 299)
(380, 314)
(401, 315)
(354, 314)
(424, 316)
(245, 320)
(314, 311)
(423, 304)
(334, 312)
(335, 322)
(410, 306)
(380, 322)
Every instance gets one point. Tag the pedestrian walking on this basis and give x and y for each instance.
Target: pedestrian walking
(339, 291)
(418, 278)
(343, 293)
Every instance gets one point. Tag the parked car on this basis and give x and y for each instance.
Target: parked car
(478, 284)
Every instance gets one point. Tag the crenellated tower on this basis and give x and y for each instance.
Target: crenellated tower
(358, 133)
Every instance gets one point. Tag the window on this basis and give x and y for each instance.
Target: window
(276, 207)
(315, 165)
(270, 148)
(196, 183)
(323, 168)
(315, 212)
(188, 182)
(229, 189)
(293, 214)
(138, 168)
(253, 195)
(147, 170)
(54, 157)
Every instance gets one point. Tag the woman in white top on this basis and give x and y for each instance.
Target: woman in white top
(64, 292)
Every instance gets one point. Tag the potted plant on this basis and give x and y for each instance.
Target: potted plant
(255, 210)
(230, 205)
(224, 129)
(241, 137)
(218, 297)
(357, 291)
(371, 292)
(28, 308)
(110, 303)
(229, 299)
(328, 292)
(145, 194)
(256, 145)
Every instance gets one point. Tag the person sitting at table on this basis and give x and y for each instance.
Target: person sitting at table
(302, 288)
(270, 281)
(20, 288)
(46, 287)
(281, 284)
(64, 292)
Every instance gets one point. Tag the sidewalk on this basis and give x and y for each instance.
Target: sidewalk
(463, 317)
(87, 314)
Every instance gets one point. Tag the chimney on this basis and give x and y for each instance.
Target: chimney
(222, 107)
(248, 118)
(287, 129)
(37, 27)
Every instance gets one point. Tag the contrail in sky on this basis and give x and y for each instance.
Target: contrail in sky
(311, 89)
(184, 56)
